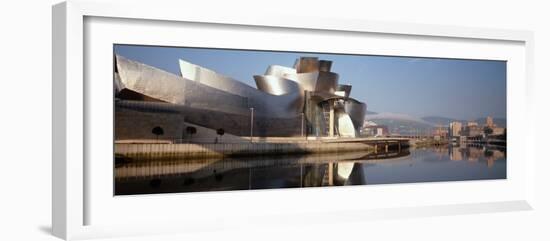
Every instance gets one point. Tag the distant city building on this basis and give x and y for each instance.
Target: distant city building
(382, 131)
(473, 130)
(471, 124)
(372, 129)
(455, 129)
(489, 122)
(441, 132)
(498, 130)
(495, 130)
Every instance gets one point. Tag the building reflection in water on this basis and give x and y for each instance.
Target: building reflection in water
(353, 168)
(161, 176)
(476, 153)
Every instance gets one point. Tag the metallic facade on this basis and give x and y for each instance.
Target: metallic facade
(286, 101)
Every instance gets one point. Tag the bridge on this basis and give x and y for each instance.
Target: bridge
(378, 143)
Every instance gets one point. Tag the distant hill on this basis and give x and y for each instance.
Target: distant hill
(396, 117)
(438, 120)
(401, 123)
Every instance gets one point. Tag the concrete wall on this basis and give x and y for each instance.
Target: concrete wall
(148, 151)
(136, 119)
(132, 124)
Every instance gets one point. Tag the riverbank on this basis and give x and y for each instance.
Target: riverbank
(428, 143)
(435, 143)
(444, 163)
(147, 151)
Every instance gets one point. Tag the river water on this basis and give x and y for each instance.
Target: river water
(446, 163)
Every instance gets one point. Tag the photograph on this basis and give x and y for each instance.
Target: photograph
(193, 119)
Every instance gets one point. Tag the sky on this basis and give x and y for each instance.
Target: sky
(453, 88)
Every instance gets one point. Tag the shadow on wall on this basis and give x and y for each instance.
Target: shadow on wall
(135, 119)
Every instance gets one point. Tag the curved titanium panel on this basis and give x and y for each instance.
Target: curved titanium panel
(343, 169)
(263, 103)
(345, 124)
(307, 65)
(325, 65)
(357, 175)
(357, 111)
(308, 81)
(276, 85)
(345, 88)
(327, 82)
(214, 101)
(118, 86)
(150, 81)
(281, 71)
(208, 77)
(324, 96)
(164, 86)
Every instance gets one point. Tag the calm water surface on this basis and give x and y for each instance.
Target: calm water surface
(448, 163)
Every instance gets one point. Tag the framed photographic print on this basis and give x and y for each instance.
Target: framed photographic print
(196, 120)
(185, 128)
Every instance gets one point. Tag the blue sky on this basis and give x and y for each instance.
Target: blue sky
(463, 89)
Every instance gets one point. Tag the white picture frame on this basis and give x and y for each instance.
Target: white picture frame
(73, 185)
